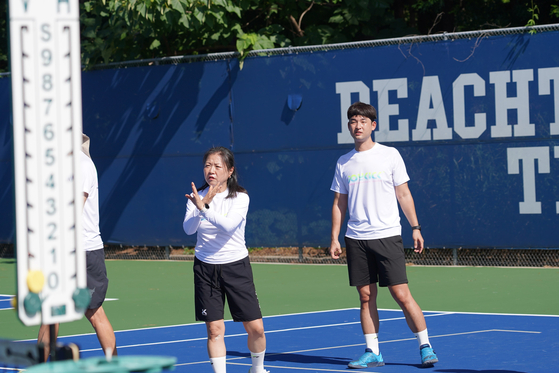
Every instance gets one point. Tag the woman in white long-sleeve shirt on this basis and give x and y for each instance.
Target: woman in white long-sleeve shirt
(217, 213)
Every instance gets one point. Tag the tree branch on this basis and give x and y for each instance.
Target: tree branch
(298, 30)
(303, 14)
(297, 25)
(436, 22)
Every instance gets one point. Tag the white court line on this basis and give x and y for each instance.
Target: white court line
(7, 299)
(314, 327)
(294, 368)
(306, 313)
(322, 311)
(244, 334)
(12, 295)
(200, 322)
(278, 353)
(339, 324)
(295, 314)
(494, 314)
(229, 361)
(11, 308)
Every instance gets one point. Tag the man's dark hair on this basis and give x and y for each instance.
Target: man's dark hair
(360, 108)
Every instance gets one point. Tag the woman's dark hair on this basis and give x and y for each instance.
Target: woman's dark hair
(360, 108)
(229, 160)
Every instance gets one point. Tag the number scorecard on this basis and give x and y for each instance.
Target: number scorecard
(45, 63)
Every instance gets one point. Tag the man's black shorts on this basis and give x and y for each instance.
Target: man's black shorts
(371, 261)
(97, 281)
(214, 282)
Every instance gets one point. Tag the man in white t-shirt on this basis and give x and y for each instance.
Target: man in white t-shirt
(369, 182)
(97, 281)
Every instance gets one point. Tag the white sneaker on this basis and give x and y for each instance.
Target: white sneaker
(264, 371)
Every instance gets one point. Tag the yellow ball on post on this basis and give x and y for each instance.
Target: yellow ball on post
(35, 281)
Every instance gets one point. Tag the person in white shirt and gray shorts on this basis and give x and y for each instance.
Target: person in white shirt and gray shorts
(97, 281)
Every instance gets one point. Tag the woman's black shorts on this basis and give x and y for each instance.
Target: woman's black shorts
(215, 282)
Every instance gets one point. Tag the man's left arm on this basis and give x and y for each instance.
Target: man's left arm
(408, 207)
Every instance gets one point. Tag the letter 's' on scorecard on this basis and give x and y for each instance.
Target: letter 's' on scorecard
(47, 131)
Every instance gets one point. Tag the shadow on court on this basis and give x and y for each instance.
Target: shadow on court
(296, 358)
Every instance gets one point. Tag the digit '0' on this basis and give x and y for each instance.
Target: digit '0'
(53, 280)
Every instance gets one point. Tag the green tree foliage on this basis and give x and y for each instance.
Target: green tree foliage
(432, 16)
(122, 30)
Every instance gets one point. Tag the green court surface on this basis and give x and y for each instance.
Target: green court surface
(159, 293)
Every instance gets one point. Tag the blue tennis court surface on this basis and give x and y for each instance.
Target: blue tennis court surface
(5, 302)
(327, 341)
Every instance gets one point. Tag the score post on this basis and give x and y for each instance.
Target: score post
(45, 63)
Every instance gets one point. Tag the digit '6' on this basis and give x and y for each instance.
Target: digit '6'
(47, 132)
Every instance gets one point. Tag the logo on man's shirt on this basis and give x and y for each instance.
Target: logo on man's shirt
(364, 176)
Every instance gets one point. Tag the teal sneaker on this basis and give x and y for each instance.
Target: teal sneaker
(428, 356)
(369, 359)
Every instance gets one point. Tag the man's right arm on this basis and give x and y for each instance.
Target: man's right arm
(339, 209)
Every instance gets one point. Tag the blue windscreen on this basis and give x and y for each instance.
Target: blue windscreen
(476, 121)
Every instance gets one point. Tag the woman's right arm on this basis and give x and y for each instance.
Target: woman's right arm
(191, 218)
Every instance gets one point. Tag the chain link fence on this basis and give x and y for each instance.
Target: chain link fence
(482, 257)
(404, 42)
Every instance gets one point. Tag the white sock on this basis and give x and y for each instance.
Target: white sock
(218, 363)
(257, 361)
(422, 338)
(372, 342)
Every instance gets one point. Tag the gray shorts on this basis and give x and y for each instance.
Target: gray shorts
(97, 281)
(372, 261)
